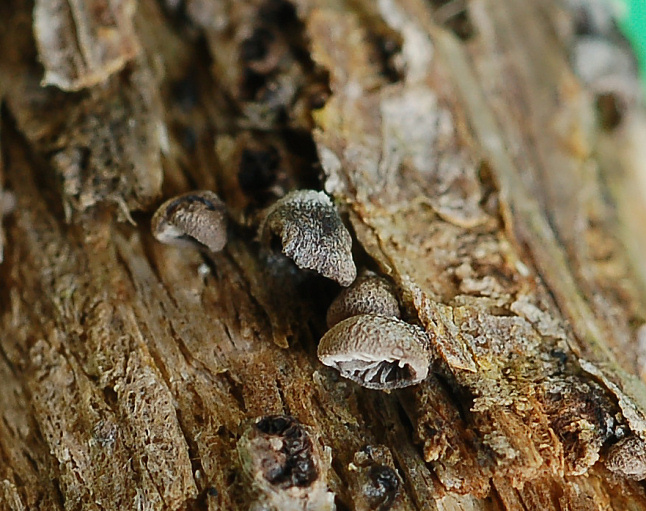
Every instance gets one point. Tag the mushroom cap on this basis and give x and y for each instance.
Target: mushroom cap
(311, 234)
(377, 352)
(194, 218)
(369, 294)
(628, 458)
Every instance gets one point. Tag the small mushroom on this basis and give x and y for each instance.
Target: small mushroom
(312, 234)
(369, 294)
(377, 352)
(7, 205)
(7, 202)
(376, 484)
(286, 465)
(628, 458)
(194, 218)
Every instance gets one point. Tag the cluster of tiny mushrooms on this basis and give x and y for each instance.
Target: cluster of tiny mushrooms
(367, 341)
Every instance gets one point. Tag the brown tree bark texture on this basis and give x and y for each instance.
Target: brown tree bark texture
(470, 166)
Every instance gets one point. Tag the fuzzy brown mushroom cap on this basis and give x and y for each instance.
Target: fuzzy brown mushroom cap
(377, 352)
(194, 218)
(369, 294)
(311, 234)
(628, 458)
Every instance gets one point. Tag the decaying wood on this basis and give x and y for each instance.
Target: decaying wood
(474, 172)
(6, 205)
(81, 44)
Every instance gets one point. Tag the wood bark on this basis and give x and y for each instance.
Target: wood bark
(474, 170)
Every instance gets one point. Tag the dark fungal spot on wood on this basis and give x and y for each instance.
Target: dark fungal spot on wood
(285, 464)
(384, 487)
(378, 483)
(582, 415)
(293, 464)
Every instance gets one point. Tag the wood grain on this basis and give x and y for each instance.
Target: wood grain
(470, 164)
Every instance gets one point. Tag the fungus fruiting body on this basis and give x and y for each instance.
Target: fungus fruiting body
(369, 294)
(377, 352)
(193, 219)
(312, 234)
(628, 458)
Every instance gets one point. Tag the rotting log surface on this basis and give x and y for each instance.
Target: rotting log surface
(462, 155)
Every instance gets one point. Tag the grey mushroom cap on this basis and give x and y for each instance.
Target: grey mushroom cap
(628, 458)
(311, 234)
(369, 294)
(377, 352)
(192, 219)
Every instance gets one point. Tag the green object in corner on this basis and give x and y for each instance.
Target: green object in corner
(632, 21)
